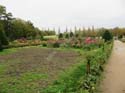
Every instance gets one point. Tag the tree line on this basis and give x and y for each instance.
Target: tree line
(92, 32)
(15, 28)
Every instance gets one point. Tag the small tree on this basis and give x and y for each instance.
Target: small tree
(67, 36)
(107, 36)
(41, 37)
(60, 36)
(71, 34)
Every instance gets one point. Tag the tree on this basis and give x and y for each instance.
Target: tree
(67, 35)
(24, 29)
(5, 19)
(107, 36)
(3, 38)
(71, 34)
(7, 24)
(1, 46)
(60, 36)
(2, 11)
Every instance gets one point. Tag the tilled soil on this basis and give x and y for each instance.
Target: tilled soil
(38, 60)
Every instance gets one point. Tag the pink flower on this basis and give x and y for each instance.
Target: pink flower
(89, 40)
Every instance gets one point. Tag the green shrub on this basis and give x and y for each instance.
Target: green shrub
(71, 34)
(3, 37)
(56, 45)
(1, 46)
(41, 38)
(107, 36)
(60, 36)
(67, 36)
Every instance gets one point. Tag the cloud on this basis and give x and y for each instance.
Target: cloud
(55, 13)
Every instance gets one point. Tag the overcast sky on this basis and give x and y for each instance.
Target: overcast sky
(70, 13)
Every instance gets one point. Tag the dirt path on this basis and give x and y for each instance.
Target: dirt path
(114, 77)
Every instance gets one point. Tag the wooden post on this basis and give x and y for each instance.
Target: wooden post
(88, 66)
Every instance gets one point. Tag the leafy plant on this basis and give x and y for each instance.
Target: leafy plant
(107, 36)
(56, 45)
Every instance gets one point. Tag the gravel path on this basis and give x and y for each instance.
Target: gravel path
(114, 76)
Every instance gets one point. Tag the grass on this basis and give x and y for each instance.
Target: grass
(8, 51)
(69, 80)
(51, 37)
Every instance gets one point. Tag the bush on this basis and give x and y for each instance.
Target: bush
(107, 36)
(44, 43)
(60, 36)
(56, 45)
(1, 46)
(41, 38)
(67, 36)
(71, 34)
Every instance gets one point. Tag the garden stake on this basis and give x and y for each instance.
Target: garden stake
(88, 66)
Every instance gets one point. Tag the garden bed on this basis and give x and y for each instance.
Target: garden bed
(29, 70)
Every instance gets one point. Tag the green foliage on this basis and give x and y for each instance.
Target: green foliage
(3, 38)
(15, 28)
(76, 80)
(49, 32)
(71, 34)
(1, 46)
(60, 36)
(8, 51)
(44, 44)
(41, 38)
(56, 45)
(68, 81)
(97, 59)
(76, 35)
(107, 36)
(2, 10)
(67, 35)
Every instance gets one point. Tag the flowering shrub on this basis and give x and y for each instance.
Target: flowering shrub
(85, 43)
(24, 42)
(89, 40)
(90, 43)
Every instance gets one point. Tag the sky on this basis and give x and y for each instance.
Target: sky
(69, 13)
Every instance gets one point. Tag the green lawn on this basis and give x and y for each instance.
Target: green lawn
(8, 51)
(51, 37)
